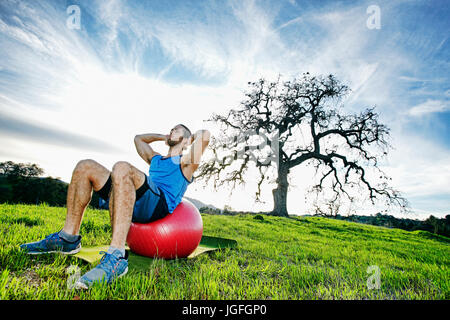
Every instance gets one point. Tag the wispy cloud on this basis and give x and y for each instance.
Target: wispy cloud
(429, 106)
(45, 134)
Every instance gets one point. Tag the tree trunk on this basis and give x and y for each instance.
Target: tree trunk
(280, 194)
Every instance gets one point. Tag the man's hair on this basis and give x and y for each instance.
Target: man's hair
(186, 130)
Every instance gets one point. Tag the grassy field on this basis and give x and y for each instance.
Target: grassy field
(276, 258)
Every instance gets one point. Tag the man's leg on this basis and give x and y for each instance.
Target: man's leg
(88, 175)
(126, 179)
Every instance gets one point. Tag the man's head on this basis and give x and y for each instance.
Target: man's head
(179, 134)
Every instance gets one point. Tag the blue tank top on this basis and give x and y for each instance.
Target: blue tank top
(167, 175)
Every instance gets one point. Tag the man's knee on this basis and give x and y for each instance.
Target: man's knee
(120, 170)
(83, 166)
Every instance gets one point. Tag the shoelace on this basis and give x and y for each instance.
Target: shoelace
(108, 258)
(52, 236)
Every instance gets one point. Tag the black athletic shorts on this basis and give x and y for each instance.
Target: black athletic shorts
(150, 204)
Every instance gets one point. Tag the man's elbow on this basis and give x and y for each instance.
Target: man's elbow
(206, 135)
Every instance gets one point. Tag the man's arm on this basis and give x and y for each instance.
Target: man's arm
(191, 160)
(141, 141)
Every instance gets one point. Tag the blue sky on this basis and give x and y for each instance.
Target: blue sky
(142, 66)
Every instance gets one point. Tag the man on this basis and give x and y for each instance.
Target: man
(129, 194)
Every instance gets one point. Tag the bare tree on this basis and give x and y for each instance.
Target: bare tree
(269, 128)
(330, 208)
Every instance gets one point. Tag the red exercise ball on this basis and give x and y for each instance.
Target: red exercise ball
(174, 236)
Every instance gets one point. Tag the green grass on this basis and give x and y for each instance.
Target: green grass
(276, 258)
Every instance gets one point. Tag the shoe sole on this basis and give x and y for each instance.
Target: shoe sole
(81, 285)
(55, 251)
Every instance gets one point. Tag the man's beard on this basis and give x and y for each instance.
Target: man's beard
(173, 143)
